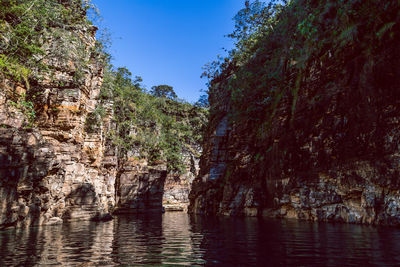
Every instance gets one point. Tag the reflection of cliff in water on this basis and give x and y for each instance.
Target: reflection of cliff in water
(72, 243)
(174, 238)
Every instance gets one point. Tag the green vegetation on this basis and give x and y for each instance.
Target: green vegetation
(151, 126)
(163, 91)
(25, 26)
(27, 108)
(24, 23)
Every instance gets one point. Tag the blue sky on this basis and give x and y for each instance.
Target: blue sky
(168, 41)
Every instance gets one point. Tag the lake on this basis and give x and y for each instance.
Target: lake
(175, 238)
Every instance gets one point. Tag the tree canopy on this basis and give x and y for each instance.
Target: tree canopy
(163, 91)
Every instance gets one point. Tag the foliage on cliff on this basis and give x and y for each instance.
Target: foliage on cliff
(149, 125)
(154, 125)
(324, 53)
(26, 27)
(24, 23)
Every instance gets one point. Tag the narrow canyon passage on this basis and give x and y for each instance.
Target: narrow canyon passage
(286, 154)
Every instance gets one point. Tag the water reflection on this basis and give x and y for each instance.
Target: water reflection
(177, 239)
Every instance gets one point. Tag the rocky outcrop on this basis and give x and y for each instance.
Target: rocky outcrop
(177, 187)
(140, 187)
(311, 182)
(143, 188)
(320, 173)
(56, 169)
(330, 153)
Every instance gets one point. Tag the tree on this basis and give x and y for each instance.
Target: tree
(163, 91)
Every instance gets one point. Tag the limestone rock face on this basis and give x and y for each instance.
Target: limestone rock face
(143, 188)
(357, 190)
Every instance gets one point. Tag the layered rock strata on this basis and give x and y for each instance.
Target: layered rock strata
(62, 166)
(56, 170)
(335, 157)
(357, 190)
(140, 187)
(177, 187)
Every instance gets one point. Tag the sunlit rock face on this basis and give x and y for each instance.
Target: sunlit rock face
(57, 170)
(176, 192)
(143, 188)
(334, 160)
(58, 167)
(61, 170)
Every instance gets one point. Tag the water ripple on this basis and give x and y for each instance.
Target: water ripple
(175, 239)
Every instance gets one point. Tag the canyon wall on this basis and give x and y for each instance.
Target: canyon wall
(56, 170)
(177, 187)
(324, 148)
(58, 156)
(144, 188)
(327, 167)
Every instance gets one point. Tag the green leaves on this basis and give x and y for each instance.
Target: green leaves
(307, 26)
(23, 24)
(26, 106)
(349, 34)
(160, 128)
(12, 68)
(163, 91)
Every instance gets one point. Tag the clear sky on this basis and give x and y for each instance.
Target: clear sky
(168, 41)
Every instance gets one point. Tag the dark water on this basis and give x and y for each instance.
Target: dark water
(175, 239)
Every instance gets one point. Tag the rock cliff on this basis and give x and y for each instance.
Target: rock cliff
(328, 167)
(324, 148)
(56, 170)
(56, 164)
